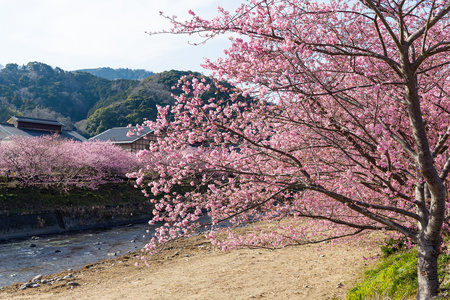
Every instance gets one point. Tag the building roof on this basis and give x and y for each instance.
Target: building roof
(36, 121)
(10, 130)
(118, 135)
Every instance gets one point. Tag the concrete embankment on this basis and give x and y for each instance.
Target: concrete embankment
(25, 224)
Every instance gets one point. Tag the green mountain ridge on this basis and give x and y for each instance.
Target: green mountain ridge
(91, 103)
(121, 73)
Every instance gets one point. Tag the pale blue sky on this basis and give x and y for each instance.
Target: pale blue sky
(78, 34)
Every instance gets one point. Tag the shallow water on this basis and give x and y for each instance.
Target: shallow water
(19, 262)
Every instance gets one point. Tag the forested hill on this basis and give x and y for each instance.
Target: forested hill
(121, 73)
(92, 103)
(37, 85)
(139, 103)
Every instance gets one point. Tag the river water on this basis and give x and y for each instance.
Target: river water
(21, 260)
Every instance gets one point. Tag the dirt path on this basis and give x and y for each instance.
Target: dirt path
(193, 269)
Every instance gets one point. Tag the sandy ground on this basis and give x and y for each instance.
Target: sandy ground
(193, 269)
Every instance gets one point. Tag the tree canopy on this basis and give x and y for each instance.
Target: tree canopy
(121, 73)
(38, 90)
(55, 163)
(350, 133)
(36, 84)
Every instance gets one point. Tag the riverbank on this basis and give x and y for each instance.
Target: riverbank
(194, 269)
(14, 198)
(23, 259)
(31, 211)
(26, 224)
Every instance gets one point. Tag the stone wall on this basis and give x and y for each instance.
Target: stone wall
(25, 224)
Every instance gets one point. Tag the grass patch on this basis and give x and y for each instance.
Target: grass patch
(395, 278)
(35, 199)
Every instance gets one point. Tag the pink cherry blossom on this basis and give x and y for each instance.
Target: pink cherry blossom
(52, 162)
(347, 131)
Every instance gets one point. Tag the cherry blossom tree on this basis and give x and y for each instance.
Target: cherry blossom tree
(349, 133)
(52, 162)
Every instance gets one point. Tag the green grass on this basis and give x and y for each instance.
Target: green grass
(395, 278)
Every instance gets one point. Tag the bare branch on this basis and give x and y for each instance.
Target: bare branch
(364, 211)
(375, 8)
(254, 205)
(419, 32)
(441, 143)
(339, 221)
(427, 27)
(445, 170)
(405, 145)
(380, 36)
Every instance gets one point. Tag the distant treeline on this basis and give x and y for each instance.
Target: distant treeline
(113, 74)
(80, 100)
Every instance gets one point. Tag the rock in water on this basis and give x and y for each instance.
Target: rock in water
(37, 278)
(26, 285)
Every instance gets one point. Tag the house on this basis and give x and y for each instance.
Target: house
(32, 127)
(133, 143)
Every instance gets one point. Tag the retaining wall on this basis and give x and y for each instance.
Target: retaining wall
(25, 224)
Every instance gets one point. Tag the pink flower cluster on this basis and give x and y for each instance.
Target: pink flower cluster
(53, 162)
(347, 130)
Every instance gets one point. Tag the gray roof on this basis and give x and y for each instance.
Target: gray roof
(10, 130)
(118, 135)
(37, 121)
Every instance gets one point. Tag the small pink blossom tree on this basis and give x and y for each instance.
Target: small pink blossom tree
(350, 130)
(53, 162)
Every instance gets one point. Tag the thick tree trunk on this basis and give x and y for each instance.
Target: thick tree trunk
(428, 281)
